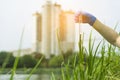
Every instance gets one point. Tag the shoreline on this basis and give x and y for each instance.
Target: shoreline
(37, 71)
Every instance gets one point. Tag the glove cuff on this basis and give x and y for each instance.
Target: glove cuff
(92, 20)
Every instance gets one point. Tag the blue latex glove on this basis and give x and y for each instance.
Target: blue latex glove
(85, 17)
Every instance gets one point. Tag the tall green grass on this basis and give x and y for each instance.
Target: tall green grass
(33, 70)
(99, 63)
(17, 58)
(5, 63)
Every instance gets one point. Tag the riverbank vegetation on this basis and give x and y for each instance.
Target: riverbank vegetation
(29, 61)
(90, 66)
(101, 62)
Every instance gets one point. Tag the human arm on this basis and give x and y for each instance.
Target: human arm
(108, 33)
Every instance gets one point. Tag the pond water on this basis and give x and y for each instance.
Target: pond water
(24, 76)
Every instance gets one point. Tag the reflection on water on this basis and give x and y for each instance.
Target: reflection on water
(24, 76)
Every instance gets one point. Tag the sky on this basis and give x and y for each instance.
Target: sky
(16, 14)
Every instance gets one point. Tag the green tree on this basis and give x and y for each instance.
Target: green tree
(6, 59)
(28, 61)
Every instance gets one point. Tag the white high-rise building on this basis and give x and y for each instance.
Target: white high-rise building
(54, 30)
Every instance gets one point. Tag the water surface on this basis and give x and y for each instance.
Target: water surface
(24, 76)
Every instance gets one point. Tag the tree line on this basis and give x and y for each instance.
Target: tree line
(29, 61)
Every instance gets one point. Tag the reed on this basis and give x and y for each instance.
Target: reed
(33, 70)
(96, 64)
(17, 58)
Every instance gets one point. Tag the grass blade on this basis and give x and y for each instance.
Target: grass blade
(17, 58)
(34, 68)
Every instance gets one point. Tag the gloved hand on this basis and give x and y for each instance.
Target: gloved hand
(84, 17)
